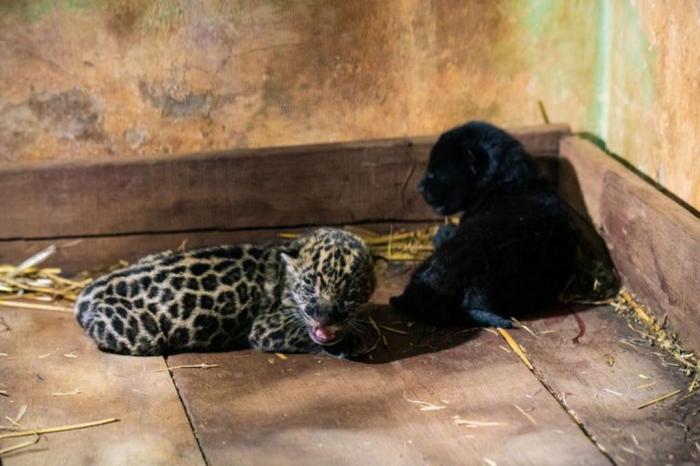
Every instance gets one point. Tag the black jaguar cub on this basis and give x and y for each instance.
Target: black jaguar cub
(514, 248)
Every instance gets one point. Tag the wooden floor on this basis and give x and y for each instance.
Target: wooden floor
(431, 396)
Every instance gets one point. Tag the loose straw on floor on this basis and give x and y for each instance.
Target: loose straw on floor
(19, 446)
(515, 347)
(659, 399)
(50, 430)
(40, 307)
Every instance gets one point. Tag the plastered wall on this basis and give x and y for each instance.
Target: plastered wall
(653, 91)
(97, 78)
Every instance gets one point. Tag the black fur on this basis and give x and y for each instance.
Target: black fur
(514, 248)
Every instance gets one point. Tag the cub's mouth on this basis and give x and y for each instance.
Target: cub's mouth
(325, 335)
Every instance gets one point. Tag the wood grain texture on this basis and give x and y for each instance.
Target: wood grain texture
(260, 409)
(303, 185)
(653, 241)
(605, 377)
(77, 255)
(95, 253)
(153, 427)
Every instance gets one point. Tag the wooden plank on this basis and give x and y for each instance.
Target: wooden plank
(653, 241)
(77, 255)
(93, 253)
(260, 409)
(153, 427)
(303, 185)
(606, 376)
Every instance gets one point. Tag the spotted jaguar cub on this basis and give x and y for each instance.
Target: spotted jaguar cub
(301, 296)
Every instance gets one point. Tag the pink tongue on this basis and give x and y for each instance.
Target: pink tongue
(324, 333)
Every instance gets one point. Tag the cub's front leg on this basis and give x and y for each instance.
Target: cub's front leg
(282, 331)
(350, 346)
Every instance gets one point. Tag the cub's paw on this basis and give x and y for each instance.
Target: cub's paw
(483, 318)
(349, 347)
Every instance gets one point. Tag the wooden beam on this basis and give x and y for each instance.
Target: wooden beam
(95, 253)
(257, 188)
(653, 241)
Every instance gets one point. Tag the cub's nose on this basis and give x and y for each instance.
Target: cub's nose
(326, 312)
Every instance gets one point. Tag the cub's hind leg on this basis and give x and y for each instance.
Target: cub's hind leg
(477, 309)
(484, 318)
(118, 330)
(103, 328)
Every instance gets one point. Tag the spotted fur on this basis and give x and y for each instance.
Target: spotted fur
(301, 296)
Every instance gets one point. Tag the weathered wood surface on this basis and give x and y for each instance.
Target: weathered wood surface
(153, 427)
(260, 409)
(77, 255)
(310, 409)
(653, 241)
(606, 376)
(303, 185)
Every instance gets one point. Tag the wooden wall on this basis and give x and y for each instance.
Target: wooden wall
(109, 79)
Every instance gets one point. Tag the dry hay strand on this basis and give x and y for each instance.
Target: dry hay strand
(476, 424)
(30, 282)
(403, 245)
(660, 398)
(189, 366)
(18, 418)
(526, 414)
(424, 405)
(36, 306)
(397, 245)
(394, 330)
(19, 446)
(517, 349)
(380, 336)
(519, 324)
(643, 322)
(73, 392)
(51, 430)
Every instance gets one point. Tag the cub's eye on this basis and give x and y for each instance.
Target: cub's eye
(311, 309)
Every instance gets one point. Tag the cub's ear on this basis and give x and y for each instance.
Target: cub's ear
(295, 246)
(290, 261)
(477, 158)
